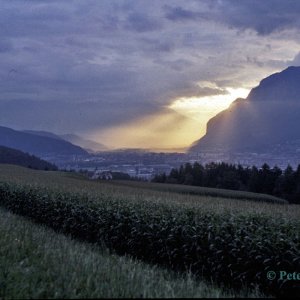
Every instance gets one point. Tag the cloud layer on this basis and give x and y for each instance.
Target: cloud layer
(78, 66)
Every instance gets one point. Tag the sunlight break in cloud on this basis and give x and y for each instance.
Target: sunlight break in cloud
(202, 109)
(173, 129)
(165, 131)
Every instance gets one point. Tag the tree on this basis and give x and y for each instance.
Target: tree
(254, 184)
(198, 174)
(161, 178)
(228, 180)
(173, 176)
(289, 182)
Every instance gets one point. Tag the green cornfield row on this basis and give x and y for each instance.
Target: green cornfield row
(233, 249)
(38, 263)
(201, 191)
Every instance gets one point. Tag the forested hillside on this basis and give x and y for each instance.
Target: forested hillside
(16, 157)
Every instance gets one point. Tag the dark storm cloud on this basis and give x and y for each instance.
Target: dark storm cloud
(142, 23)
(155, 45)
(112, 60)
(5, 46)
(264, 17)
(180, 14)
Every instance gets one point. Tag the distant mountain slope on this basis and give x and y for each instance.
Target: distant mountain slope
(44, 133)
(36, 144)
(89, 145)
(269, 116)
(17, 157)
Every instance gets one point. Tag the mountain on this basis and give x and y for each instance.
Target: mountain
(37, 144)
(17, 157)
(282, 86)
(44, 133)
(89, 145)
(268, 117)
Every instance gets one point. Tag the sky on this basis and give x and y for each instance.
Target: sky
(137, 74)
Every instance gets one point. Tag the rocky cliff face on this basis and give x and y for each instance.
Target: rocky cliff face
(270, 115)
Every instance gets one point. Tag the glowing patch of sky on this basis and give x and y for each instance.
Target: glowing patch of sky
(174, 129)
(199, 108)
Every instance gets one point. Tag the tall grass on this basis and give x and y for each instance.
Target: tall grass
(36, 262)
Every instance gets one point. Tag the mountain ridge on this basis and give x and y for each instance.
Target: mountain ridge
(36, 144)
(88, 145)
(269, 116)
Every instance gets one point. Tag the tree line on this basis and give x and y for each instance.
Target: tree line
(273, 181)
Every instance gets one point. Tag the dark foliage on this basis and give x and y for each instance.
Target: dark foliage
(120, 176)
(266, 180)
(16, 157)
